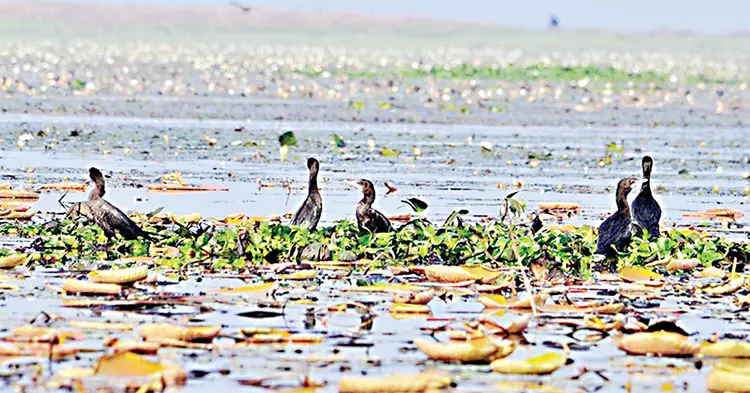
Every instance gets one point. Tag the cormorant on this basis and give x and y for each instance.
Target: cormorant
(310, 211)
(617, 229)
(368, 218)
(646, 211)
(111, 219)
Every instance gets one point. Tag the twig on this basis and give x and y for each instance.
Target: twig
(514, 247)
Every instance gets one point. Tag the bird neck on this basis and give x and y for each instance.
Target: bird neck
(313, 183)
(622, 202)
(97, 192)
(646, 188)
(368, 199)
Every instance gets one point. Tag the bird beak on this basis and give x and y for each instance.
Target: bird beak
(639, 183)
(353, 183)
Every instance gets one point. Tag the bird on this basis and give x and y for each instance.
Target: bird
(108, 217)
(242, 7)
(368, 218)
(312, 208)
(617, 229)
(646, 210)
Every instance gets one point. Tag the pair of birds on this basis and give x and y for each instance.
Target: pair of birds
(112, 220)
(615, 232)
(368, 218)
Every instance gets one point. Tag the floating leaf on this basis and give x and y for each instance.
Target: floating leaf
(153, 331)
(682, 264)
(288, 139)
(726, 349)
(560, 206)
(406, 383)
(121, 276)
(729, 375)
(338, 141)
(386, 152)
(730, 286)
(637, 273)
(540, 365)
(130, 365)
(480, 350)
(422, 297)
(12, 261)
(90, 288)
(404, 308)
(301, 275)
(657, 343)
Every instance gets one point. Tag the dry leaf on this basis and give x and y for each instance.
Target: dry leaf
(64, 186)
(458, 274)
(423, 297)
(90, 325)
(190, 333)
(658, 343)
(682, 264)
(165, 187)
(638, 274)
(726, 349)
(711, 272)
(729, 375)
(480, 350)
(539, 365)
(121, 276)
(12, 261)
(406, 383)
(525, 303)
(301, 275)
(129, 365)
(565, 206)
(404, 308)
(139, 347)
(384, 288)
(731, 286)
(406, 217)
(18, 194)
(715, 214)
(90, 288)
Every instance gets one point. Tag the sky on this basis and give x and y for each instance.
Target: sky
(701, 16)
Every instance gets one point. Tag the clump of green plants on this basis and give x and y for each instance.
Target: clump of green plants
(454, 242)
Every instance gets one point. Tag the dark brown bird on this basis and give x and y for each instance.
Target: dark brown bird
(310, 211)
(111, 219)
(368, 218)
(646, 210)
(617, 229)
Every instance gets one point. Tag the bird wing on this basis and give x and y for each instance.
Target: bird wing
(647, 213)
(309, 213)
(382, 224)
(612, 231)
(113, 220)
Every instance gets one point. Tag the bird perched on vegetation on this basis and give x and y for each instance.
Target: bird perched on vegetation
(111, 219)
(617, 229)
(368, 218)
(312, 208)
(646, 211)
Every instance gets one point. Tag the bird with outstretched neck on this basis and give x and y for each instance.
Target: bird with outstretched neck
(646, 211)
(616, 230)
(309, 213)
(368, 218)
(111, 219)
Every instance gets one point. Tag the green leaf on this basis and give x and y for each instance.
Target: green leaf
(417, 205)
(338, 141)
(288, 139)
(77, 84)
(386, 152)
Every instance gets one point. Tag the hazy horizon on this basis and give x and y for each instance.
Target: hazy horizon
(717, 17)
